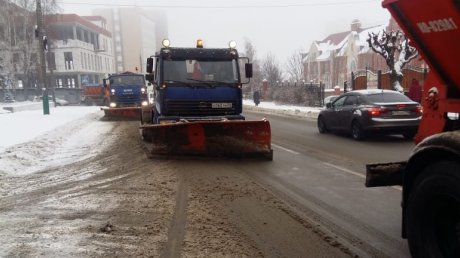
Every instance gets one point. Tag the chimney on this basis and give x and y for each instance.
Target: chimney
(355, 25)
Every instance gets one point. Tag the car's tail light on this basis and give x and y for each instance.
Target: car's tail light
(376, 111)
(418, 109)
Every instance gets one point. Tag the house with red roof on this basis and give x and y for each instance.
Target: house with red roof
(333, 59)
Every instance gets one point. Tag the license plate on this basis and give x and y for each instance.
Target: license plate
(400, 113)
(221, 105)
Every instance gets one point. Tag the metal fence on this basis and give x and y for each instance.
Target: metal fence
(72, 95)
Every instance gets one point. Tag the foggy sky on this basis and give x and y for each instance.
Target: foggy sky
(277, 26)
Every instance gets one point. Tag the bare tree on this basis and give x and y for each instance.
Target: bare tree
(251, 52)
(18, 47)
(394, 47)
(270, 69)
(294, 66)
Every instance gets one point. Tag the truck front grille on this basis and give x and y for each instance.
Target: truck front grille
(199, 108)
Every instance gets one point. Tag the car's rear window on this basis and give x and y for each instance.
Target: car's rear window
(387, 97)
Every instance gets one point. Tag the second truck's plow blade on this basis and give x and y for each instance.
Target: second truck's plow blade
(131, 113)
(211, 138)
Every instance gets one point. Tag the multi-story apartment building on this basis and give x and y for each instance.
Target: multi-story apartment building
(81, 50)
(137, 34)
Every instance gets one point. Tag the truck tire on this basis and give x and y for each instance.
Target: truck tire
(433, 212)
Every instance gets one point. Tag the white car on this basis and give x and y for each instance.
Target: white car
(59, 101)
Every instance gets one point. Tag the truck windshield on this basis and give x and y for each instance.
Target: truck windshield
(127, 80)
(196, 71)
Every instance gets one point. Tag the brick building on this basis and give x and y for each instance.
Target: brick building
(332, 59)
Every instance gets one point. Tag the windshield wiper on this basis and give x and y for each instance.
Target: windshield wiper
(185, 83)
(205, 82)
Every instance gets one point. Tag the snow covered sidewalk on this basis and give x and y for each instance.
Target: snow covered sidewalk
(31, 141)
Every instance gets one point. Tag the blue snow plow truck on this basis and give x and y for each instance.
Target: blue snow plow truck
(197, 107)
(124, 94)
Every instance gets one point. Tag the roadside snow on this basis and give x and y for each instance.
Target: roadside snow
(31, 141)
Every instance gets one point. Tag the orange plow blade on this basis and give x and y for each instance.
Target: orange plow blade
(211, 138)
(122, 113)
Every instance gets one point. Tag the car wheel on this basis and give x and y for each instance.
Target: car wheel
(433, 212)
(409, 135)
(322, 125)
(357, 131)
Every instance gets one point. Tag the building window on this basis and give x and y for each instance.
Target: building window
(15, 58)
(68, 59)
(34, 58)
(81, 60)
(2, 33)
(50, 59)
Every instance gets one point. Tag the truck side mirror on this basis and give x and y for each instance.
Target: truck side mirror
(248, 70)
(149, 65)
(150, 77)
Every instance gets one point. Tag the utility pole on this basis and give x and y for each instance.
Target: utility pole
(40, 33)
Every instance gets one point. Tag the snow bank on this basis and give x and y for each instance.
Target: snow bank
(272, 108)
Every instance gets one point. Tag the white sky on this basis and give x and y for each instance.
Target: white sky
(277, 26)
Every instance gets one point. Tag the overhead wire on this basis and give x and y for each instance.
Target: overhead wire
(316, 4)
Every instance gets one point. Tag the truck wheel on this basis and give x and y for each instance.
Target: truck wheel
(433, 212)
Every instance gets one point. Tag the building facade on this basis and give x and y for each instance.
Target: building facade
(80, 51)
(137, 35)
(332, 60)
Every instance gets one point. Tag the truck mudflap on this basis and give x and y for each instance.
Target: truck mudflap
(385, 174)
(241, 139)
(122, 112)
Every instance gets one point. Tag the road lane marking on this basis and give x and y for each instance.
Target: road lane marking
(355, 173)
(285, 149)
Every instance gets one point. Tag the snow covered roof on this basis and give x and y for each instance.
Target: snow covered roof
(364, 35)
(338, 42)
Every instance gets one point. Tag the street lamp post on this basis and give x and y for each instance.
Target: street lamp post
(42, 45)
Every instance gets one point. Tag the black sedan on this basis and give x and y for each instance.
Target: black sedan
(362, 112)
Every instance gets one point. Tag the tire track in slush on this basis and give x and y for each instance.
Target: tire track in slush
(176, 232)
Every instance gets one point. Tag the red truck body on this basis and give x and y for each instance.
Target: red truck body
(434, 29)
(431, 177)
(94, 94)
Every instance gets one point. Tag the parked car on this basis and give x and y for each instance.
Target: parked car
(362, 112)
(59, 101)
(8, 98)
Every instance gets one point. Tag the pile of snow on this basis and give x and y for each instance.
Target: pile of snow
(31, 141)
(290, 110)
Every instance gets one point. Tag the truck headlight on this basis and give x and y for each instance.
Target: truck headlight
(112, 91)
(166, 43)
(113, 104)
(232, 44)
(142, 90)
(144, 103)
